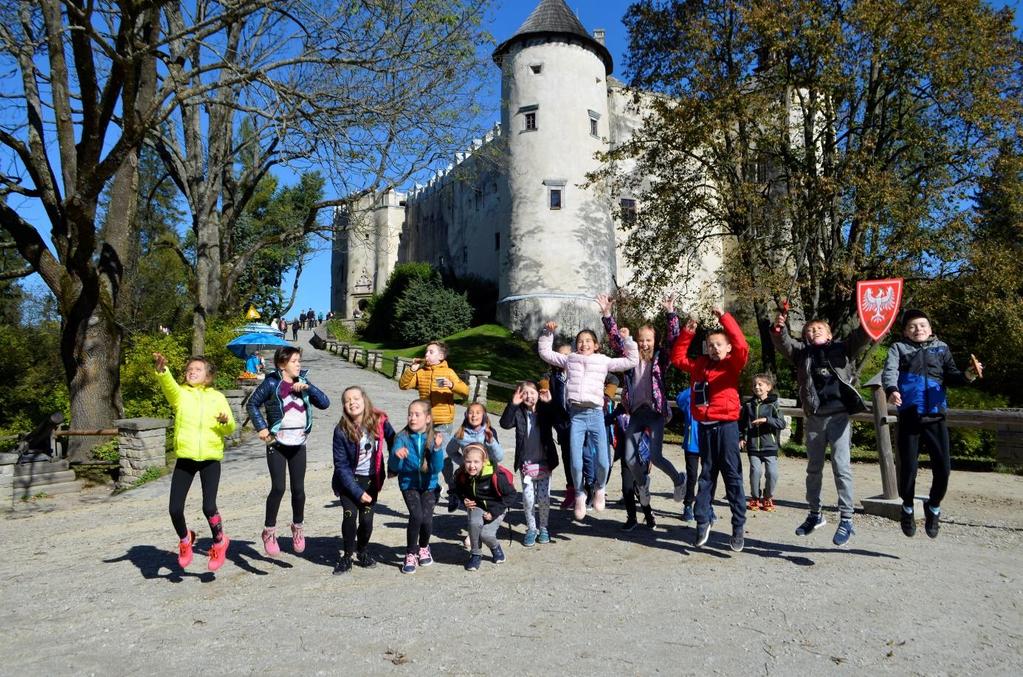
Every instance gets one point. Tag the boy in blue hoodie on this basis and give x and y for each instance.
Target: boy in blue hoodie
(916, 373)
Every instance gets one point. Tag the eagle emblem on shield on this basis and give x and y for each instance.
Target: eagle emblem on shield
(878, 304)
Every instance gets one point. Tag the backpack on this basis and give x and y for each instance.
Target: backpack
(498, 468)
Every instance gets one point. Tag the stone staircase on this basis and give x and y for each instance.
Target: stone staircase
(24, 480)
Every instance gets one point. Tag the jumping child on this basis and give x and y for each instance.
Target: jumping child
(359, 441)
(759, 426)
(644, 397)
(487, 491)
(417, 458)
(288, 397)
(535, 456)
(825, 369)
(586, 369)
(916, 373)
(715, 404)
(202, 419)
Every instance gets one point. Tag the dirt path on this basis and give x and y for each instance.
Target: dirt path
(91, 586)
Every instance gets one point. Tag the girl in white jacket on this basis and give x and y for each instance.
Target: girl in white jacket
(586, 370)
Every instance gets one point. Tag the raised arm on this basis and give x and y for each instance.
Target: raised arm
(630, 360)
(545, 347)
(740, 347)
(781, 339)
(680, 350)
(614, 337)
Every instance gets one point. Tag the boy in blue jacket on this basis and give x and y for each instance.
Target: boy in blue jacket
(916, 373)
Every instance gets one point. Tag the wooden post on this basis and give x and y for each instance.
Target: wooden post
(889, 478)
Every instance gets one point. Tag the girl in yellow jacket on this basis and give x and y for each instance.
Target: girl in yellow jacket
(202, 419)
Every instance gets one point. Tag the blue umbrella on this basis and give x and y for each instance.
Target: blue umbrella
(250, 343)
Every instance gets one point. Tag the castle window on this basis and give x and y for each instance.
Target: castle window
(594, 118)
(537, 68)
(593, 127)
(628, 206)
(530, 122)
(554, 198)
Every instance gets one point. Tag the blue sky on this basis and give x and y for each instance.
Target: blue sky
(505, 17)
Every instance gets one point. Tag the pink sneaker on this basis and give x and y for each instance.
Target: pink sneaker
(410, 564)
(185, 550)
(425, 558)
(297, 538)
(218, 553)
(569, 501)
(598, 500)
(270, 541)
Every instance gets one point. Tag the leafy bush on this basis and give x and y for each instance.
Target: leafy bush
(108, 452)
(382, 307)
(481, 294)
(340, 330)
(427, 311)
(33, 377)
(969, 441)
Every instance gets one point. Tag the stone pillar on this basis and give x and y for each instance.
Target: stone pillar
(400, 363)
(234, 400)
(143, 445)
(7, 462)
(477, 382)
(353, 352)
(374, 360)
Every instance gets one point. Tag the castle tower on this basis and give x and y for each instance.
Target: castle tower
(560, 249)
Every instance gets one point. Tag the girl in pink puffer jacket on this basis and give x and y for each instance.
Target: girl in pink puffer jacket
(586, 370)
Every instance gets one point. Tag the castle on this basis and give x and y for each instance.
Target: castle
(515, 208)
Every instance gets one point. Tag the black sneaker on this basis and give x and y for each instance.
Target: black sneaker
(648, 518)
(813, 522)
(498, 554)
(908, 523)
(702, 534)
(365, 560)
(630, 524)
(737, 540)
(931, 520)
(344, 565)
(474, 563)
(452, 503)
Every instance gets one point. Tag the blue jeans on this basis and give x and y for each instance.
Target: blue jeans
(588, 431)
(719, 454)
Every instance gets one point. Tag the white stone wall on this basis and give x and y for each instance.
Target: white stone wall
(557, 257)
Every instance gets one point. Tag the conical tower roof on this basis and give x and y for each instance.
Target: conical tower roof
(553, 18)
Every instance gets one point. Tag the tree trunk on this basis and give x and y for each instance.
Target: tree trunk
(207, 280)
(91, 352)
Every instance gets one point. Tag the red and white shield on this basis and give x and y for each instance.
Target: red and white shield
(878, 304)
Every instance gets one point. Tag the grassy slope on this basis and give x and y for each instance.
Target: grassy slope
(488, 347)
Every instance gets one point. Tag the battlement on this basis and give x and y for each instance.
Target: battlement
(442, 177)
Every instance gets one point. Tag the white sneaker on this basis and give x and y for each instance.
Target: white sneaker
(598, 500)
(580, 506)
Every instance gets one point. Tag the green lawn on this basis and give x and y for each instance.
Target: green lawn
(488, 347)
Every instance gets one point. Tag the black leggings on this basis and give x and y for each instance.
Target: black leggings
(933, 436)
(692, 476)
(278, 458)
(565, 444)
(356, 539)
(420, 517)
(185, 470)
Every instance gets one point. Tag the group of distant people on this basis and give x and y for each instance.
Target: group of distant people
(573, 407)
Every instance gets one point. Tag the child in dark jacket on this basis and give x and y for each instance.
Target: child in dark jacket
(918, 369)
(825, 369)
(417, 458)
(759, 426)
(288, 397)
(535, 455)
(359, 441)
(487, 492)
(715, 404)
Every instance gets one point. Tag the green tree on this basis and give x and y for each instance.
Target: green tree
(817, 143)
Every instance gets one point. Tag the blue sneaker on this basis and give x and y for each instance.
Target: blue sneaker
(813, 521)
(544, 536)
(411, 561)
(687, 514)
(529, 540)
(498, 554)
(474, 563)
(843, 533)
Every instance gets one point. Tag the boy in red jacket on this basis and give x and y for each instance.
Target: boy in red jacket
(715, 404)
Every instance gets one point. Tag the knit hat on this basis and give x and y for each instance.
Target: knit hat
(913, 314)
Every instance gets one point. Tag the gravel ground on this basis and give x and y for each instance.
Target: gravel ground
(91, 585)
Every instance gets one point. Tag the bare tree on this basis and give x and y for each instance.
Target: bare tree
(373, 91)
(84, 92)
